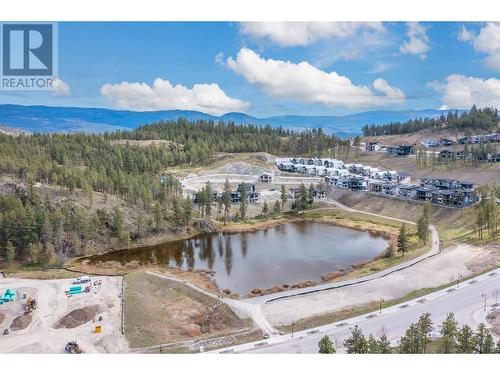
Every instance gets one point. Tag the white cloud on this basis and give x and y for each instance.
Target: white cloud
(418, 41)
(287, 34)
(306, 83)
(60, 88)
(162, 94)
(462, 92)
(487, 42)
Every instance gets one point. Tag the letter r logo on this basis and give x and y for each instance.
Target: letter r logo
(27, 49)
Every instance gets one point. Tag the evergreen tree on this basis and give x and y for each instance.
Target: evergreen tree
(178, 215)
(226, 199)
(209, 197)
(277, 208)
(158, 217)
(372, 343)
(402, 240)
(302, 201)
(425, 328)
(118, 222)
(449, 331)
(310, 194)
(410, 342)
(284, 197)
(482, 340)
(187, 207)
(356, 343)
(384, 344)
(465, 340)
(243, 201)
(10, 252)
(325, 346)
(265, 209)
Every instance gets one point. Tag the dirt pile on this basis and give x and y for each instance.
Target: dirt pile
(21, 322)
(77, 317)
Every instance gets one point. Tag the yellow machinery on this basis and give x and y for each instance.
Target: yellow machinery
(30, 305)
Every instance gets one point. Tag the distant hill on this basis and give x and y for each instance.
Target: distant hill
(75, 119)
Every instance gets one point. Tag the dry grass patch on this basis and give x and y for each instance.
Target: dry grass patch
(159, 311)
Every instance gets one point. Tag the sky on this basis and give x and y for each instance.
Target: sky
(274, 68)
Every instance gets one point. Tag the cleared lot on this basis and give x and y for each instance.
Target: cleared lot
(59, 318)
(161, 311)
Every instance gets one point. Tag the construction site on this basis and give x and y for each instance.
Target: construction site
(82, 315)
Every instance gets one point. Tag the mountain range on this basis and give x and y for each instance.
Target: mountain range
(46, 119)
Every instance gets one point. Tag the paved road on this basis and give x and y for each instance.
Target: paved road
(465, 301)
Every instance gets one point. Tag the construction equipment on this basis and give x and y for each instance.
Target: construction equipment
(72, 348)
(97, 329)
(8, 296)
(30, 305)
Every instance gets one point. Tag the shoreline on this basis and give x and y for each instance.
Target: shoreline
(207, 279)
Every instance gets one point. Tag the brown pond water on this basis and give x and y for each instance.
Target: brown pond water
(284, 254)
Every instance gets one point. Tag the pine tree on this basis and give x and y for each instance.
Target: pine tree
(410, 342)
(158, 217)
(310, 194)
(265, 209)
(325, 346)
(356, 343)
(10, 252)
(187, 207)
(302, 202)
(178, 215)
(481, 340)
(449, 331)
(465, 340)
(118, 222)
(284, 197)
(276, 208)
(373, 347)
(209, 197)
(226, 199)
(402, 240)
(424, 325)
(243, 201)
(384, 344)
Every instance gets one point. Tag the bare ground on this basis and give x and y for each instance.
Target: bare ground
(160, 311)
(40, 336)
(494, 320)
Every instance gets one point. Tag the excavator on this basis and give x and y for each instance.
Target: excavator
(30, 305)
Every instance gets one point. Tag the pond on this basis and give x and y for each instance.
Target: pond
(283, 254)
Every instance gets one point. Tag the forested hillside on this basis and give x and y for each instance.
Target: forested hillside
(474, 121)
(34, 228)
